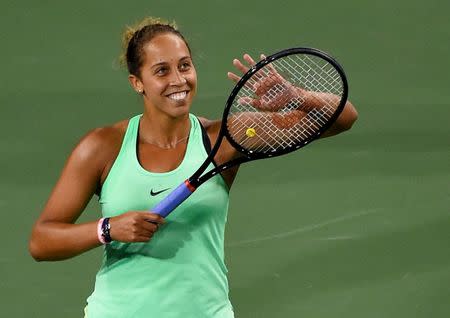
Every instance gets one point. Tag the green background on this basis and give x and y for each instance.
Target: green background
(352, 226)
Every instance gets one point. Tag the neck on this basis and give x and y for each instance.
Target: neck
(163, 131)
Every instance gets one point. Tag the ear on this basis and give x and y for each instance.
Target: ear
(136, 83)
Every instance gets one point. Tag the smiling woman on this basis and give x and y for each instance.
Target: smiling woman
(148, 269)
(152, 267)
(160, 66)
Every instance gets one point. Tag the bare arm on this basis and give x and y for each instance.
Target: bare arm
(308, 100)
(54, 235)
(346, 118)
(266, 118)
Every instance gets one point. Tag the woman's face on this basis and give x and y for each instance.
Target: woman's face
(168, 76)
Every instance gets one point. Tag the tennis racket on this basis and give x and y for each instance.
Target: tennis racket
(283, 103)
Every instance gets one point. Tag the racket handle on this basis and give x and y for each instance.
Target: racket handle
(174, 199)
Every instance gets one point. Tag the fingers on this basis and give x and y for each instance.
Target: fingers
(241, 67)
(248, 101)
(153, 217)
(272, 70)
(135, 226)
(233, 77)
(150, 226)
(249, 59)
(268, 83)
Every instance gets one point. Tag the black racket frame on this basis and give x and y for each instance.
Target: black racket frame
(197, 178)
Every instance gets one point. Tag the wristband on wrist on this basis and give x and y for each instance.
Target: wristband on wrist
(106, 227)
(103, 228)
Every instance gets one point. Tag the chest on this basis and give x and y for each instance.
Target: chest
(154, 159)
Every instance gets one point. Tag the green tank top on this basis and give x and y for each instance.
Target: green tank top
(181, 271)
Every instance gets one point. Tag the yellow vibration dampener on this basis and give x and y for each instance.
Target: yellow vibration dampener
(250, 132)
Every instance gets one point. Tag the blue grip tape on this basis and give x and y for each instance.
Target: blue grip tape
(174, 199)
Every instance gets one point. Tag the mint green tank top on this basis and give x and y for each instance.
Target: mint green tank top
(180, 272)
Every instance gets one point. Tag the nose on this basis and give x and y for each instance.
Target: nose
(178, 79)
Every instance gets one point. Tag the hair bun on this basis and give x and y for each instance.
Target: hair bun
(136, 36)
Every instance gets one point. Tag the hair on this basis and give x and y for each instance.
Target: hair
(135, 37)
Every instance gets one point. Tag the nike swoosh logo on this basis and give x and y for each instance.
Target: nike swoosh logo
(153, 193)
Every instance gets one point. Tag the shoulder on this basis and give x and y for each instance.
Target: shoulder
(225, 153)
(99, 148)
(204, 121)
(101, 140)
(212, 127)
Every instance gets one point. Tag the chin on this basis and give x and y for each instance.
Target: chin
(182, 105)
(180, 110)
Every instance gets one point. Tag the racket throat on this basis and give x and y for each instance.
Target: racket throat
(190, 185)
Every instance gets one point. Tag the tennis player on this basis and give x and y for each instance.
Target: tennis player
(151, 268)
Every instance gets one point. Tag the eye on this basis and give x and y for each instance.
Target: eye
(161, 71)
(185, 66)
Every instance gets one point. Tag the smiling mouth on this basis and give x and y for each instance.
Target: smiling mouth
(178, 95)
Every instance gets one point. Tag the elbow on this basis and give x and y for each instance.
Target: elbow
(37, 246)
(44, 247)
(353, 116)
(42, 253)
(35, 250)
(344, 122)
(350, 116)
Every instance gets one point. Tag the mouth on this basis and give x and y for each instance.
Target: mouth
(178, 96)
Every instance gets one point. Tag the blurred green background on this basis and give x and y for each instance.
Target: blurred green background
(351, 226)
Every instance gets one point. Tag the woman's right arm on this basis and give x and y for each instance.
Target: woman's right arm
(54, 235)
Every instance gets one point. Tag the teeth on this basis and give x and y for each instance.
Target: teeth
(178, 96)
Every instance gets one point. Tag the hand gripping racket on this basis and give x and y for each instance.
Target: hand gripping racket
(284, 102)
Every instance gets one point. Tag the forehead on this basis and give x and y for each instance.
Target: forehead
(165, 47)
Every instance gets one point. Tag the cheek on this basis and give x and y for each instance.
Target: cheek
(154, 86)
(192, 78)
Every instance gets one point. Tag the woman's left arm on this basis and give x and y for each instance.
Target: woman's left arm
(309, 99)
(344, 122)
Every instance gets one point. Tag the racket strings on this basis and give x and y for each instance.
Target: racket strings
(270, 143)
(283, 138)
(285, 103)
(327, 81)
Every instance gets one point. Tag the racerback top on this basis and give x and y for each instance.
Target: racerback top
(180, 272)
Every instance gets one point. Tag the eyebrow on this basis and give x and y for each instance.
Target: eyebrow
(164, 62)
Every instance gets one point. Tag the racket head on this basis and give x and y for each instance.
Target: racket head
(286, 130)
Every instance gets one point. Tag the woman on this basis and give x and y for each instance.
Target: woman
(151, 268)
